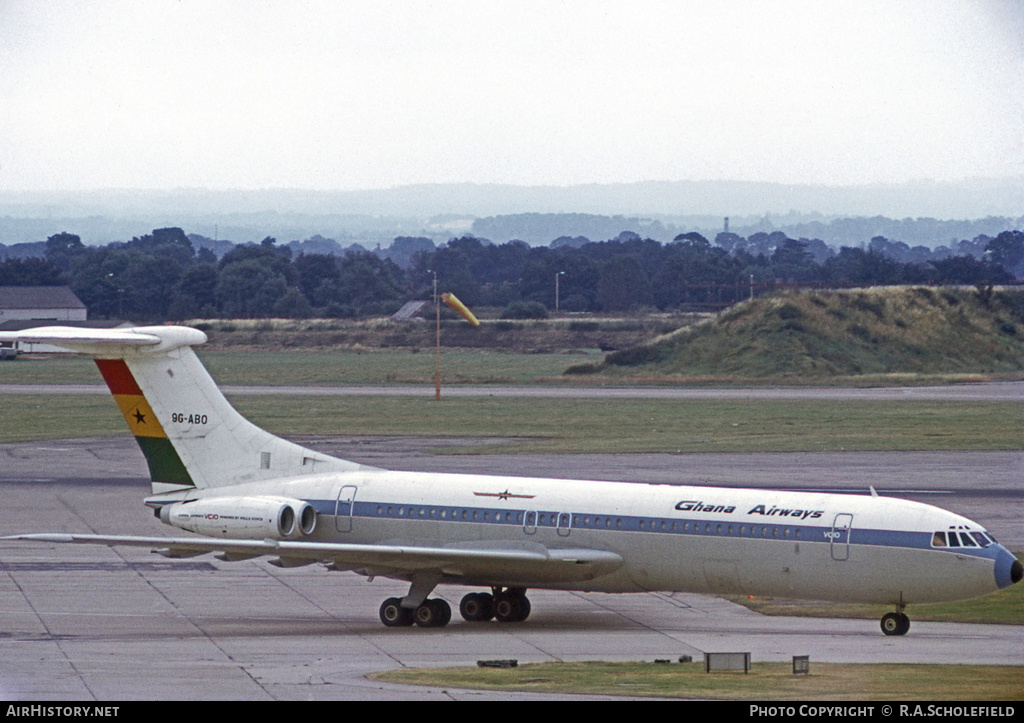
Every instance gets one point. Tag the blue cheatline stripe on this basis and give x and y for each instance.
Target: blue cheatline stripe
(771, 528)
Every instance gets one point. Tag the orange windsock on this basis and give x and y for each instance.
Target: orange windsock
(460, 308)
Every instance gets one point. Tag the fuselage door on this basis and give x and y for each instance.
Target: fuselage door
(840, 536)
(343, 508)
(564, 524)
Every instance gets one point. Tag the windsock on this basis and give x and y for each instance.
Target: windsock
(460, 308)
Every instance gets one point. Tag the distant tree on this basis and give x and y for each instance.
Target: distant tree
(168, 243)
(1007, 250)
(969, 270)
(624, 285)
(857, 267)
(194, 292)
(319, 278)
(31, 272)
(525, 310)
(404, 250)
(793, 262)
(692, 237)
(62, 248)
(454, 275)
(292, 305)
(249, 288)
(728, 240)
(370, 285)
(689, 270)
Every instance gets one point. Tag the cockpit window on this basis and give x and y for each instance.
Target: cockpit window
(982, 539)
(961, 539)
(967, 540)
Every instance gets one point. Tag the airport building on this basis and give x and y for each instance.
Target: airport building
(40, 303)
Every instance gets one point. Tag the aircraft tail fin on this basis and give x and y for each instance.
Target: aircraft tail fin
(189, 433)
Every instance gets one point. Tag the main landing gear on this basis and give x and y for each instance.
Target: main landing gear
(509, 605)
(434, 613)
(506, 606)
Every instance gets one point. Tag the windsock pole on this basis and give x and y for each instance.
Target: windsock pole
(437, 372)
(453, 301)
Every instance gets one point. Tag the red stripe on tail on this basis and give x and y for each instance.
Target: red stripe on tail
(119, 380)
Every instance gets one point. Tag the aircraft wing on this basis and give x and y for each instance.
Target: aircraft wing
(507, 566)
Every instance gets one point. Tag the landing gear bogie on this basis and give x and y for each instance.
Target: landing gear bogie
(477, 607)
(506, 606)
(435, 613)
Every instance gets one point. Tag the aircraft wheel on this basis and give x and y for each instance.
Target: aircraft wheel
(895, 624)
(477, 607)
(434, 613)
(510, 607)
(393, 615)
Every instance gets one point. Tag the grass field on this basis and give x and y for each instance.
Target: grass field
(324, 368)
(765, 681)
(577, 425)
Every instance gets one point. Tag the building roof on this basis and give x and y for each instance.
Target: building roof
(39, 297)
(412, 310)
(22, 324)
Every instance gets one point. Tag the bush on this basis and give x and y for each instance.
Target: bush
(525, 310)
(634, 356)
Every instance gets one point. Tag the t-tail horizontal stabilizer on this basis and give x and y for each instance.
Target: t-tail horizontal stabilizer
(189, 433)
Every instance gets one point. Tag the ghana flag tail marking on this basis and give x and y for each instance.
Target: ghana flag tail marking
(189, 433)
(164, 463)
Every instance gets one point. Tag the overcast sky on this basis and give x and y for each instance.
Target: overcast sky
(363, 95)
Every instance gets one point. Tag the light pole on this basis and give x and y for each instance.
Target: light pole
(559, 274)
(437, 368)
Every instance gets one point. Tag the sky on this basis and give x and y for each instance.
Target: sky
(345, 95)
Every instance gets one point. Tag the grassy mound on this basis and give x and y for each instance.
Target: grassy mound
(831, 333)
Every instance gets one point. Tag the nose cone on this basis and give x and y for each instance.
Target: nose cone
(1008, 570)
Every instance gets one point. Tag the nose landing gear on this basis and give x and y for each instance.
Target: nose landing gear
(896, 623)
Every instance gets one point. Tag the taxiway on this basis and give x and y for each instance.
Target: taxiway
(92, 623)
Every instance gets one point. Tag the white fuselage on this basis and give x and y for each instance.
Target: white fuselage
(834, 547)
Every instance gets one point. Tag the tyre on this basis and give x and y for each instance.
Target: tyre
(434, 613)
(895, 624)
(393, 615)
(511, 607)
(477, 607)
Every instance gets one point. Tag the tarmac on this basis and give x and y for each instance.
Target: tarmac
(81, 623)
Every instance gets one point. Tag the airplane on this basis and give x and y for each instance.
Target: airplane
(246, 494)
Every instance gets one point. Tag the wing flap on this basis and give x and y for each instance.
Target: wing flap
(533, 566)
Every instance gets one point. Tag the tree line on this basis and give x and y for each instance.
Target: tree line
(163, 276)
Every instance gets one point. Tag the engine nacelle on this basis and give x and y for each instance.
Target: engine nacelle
(245, 518)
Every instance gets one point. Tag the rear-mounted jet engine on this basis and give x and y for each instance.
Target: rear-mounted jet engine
(252, 518)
